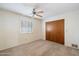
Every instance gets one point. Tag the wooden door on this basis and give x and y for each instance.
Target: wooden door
(55, 31)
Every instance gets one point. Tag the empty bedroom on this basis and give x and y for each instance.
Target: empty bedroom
(39, 29)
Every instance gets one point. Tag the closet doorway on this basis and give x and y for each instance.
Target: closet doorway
(55, 31)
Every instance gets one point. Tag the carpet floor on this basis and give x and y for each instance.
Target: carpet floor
(40, 48)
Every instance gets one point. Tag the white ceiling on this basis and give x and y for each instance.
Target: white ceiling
(30, 4)
(54, 9)
(50, 9)
(18, 8)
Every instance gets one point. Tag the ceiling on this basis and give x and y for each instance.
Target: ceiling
(30, 4)
(50, 9)
(54, 9)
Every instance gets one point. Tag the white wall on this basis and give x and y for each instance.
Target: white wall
(71, 27)
(10, 34)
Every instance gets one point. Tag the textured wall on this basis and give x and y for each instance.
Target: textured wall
(71, 27)
(10, 34)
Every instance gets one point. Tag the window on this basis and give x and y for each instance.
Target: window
(26, 26)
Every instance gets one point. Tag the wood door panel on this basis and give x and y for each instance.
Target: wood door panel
(55, 31)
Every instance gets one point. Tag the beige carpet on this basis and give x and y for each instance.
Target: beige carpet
(40, 48)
